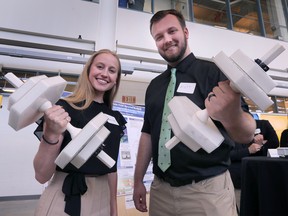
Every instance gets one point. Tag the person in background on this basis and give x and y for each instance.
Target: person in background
(132, 4)
(284, 138)
(195, 183)
(91, 189)
(265, 138)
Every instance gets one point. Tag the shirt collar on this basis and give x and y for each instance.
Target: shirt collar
(184, 64)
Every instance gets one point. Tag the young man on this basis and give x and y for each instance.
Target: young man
(196, 183)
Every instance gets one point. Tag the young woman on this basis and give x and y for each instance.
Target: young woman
(91, 189)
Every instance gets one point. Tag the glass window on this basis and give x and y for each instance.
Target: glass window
(275, 19)
(280, 105)
(162, 5)
(210, 12)
(245, 17)
(182, 6)
(132, 4)
(254, 108)
(148, 6)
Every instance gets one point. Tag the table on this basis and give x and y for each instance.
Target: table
(264, 186)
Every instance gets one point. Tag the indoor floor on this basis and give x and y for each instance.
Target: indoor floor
(27, 207)
(18, 207)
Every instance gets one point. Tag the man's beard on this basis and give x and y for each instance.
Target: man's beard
(177, 58)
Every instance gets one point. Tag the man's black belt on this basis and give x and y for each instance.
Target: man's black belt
(181, 182)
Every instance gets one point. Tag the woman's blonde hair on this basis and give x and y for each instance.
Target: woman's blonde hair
(85, 91)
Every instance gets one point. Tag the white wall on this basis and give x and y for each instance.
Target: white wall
(17, 150)
(70, 18)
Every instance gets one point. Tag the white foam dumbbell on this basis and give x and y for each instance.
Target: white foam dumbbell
(190, 127)
(193, 127)
(25, 103)
(85, 142)
(28, 103)
(248, 76)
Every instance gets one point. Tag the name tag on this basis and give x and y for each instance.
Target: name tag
(187, 88)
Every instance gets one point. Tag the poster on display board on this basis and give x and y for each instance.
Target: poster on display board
(128, 148)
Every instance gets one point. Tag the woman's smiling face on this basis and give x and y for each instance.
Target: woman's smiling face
(103, 73)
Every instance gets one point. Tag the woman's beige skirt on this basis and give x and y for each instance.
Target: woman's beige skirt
(95, 202)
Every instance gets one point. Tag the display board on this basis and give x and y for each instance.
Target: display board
(127, 157)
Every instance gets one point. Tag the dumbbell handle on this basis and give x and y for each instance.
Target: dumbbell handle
(13, 80)
(203, 114)
(72, 130)
(106, 159)
(272, 54)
